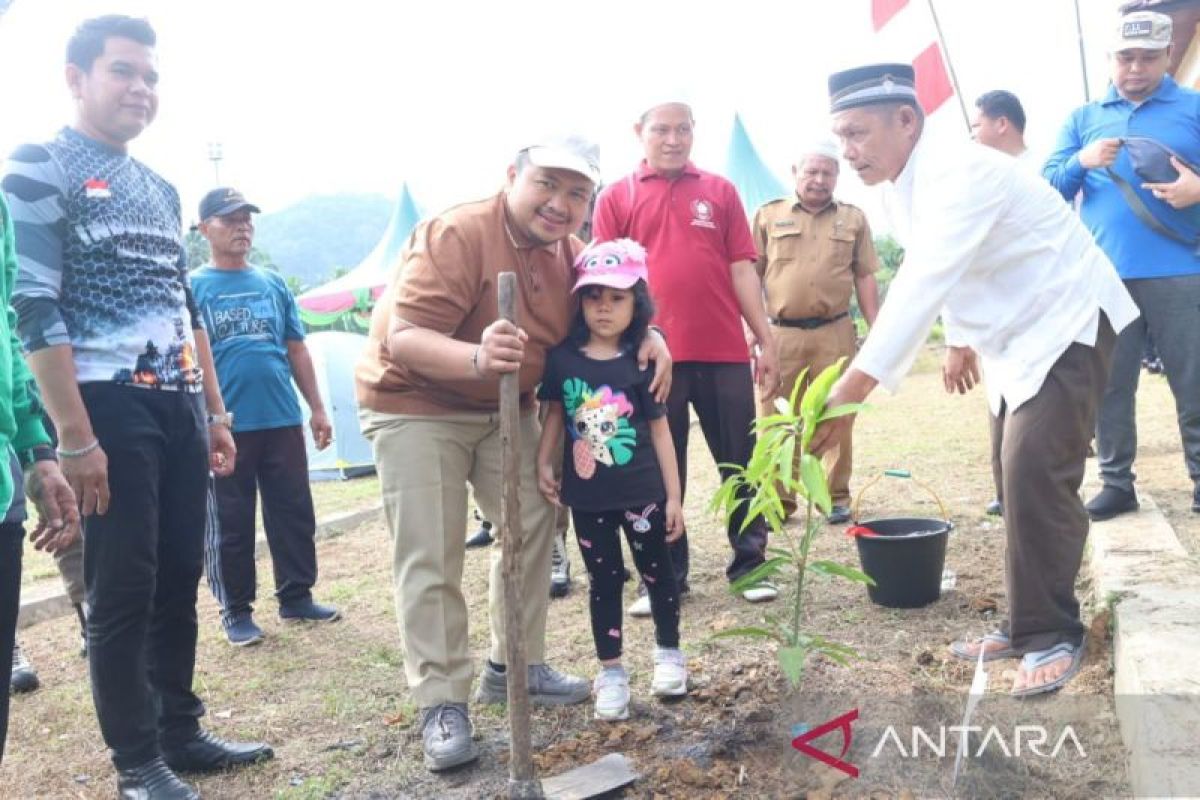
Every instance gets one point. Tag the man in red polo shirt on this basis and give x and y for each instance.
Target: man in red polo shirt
(701, 258)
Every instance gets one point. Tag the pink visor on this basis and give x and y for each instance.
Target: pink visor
(618, 264)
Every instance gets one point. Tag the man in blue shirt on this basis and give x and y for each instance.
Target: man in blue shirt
(1156, 259)
(258, 346)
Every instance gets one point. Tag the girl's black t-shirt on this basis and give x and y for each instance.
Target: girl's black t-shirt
(609, 461)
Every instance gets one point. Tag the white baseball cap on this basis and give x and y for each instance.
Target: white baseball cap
(572, 152)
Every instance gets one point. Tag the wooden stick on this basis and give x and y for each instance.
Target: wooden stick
(522, 783)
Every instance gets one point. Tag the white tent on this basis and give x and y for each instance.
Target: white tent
(334, 354)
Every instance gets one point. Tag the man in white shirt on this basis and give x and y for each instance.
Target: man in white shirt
(1019, 280)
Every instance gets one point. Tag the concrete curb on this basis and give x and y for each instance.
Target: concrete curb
(1141, 571)
(46, 602)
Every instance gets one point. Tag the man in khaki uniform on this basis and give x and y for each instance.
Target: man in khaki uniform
(813, 251)
(428, 394)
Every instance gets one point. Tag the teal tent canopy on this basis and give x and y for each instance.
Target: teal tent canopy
(755, 182)
(345, 303)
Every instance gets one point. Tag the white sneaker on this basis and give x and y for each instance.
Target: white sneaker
(611, 688)
(763, 592)
(670, 673)
(640, 607)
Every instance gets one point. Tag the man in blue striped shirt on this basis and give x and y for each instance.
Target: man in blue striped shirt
(1157, 258)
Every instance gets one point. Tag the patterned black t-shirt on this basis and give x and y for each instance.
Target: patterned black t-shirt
(609, 461)
(102, 265)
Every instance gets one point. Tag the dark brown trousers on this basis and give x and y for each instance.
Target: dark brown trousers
(1043, 453)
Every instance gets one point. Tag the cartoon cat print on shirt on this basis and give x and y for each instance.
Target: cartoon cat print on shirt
(599, 426)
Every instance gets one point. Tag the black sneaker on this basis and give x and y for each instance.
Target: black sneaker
(1111, 502)
(241, 630)
(24, 676)
(153, 780)
(308, 611)
(206, 752)
(838, 515)
(483, 536)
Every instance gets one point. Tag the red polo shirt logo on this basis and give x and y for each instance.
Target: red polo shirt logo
(702, 213)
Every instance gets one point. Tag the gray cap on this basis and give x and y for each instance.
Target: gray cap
(1142, 30)
(573, 153)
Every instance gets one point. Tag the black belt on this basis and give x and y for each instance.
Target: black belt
(808, 323)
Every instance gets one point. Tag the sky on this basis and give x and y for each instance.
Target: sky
(360, 95)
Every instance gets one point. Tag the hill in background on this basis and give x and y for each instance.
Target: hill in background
(314, 238)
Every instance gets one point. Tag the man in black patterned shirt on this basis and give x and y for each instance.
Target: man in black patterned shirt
(116, 346)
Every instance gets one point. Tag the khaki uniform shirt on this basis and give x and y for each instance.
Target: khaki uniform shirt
(808, 262)
(446, 282)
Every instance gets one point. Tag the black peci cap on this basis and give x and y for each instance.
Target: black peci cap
(875, 83)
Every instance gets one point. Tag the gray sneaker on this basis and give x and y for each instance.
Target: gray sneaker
(560, 569)
(446, 736)
(24, 677)
(547, 687)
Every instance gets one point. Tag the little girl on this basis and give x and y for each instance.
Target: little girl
(618, 470)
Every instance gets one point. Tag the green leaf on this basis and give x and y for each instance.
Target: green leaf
(794, 396)
(814, 399)
(766, 505)
(748, 631)
(786, 462)
(812, 475)
(843, 410)
(763, 424)
(783, 407)
(759, 574)
(724, 494)
(841, 570)
(840, 658)
(838, 652)
(791, 663)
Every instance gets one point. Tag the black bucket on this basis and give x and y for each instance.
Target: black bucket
(905, 558)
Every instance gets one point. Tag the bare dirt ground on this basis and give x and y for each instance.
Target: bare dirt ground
(333, 701)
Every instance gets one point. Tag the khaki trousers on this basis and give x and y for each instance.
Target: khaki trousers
(425, 464)
(816, 349)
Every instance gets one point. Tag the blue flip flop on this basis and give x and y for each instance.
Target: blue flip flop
(959, 649)
(1040, 658)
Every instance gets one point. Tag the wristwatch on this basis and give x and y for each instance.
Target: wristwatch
(41, 452)
(225, 419)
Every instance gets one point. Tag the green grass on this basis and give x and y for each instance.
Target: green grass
(317, 787)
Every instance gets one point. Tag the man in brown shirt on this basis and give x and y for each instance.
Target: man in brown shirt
(428, 394)
(813, 251)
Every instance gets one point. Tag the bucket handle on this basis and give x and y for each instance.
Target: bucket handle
(896, 473)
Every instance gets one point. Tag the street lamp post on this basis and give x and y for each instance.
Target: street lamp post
(215, 156)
